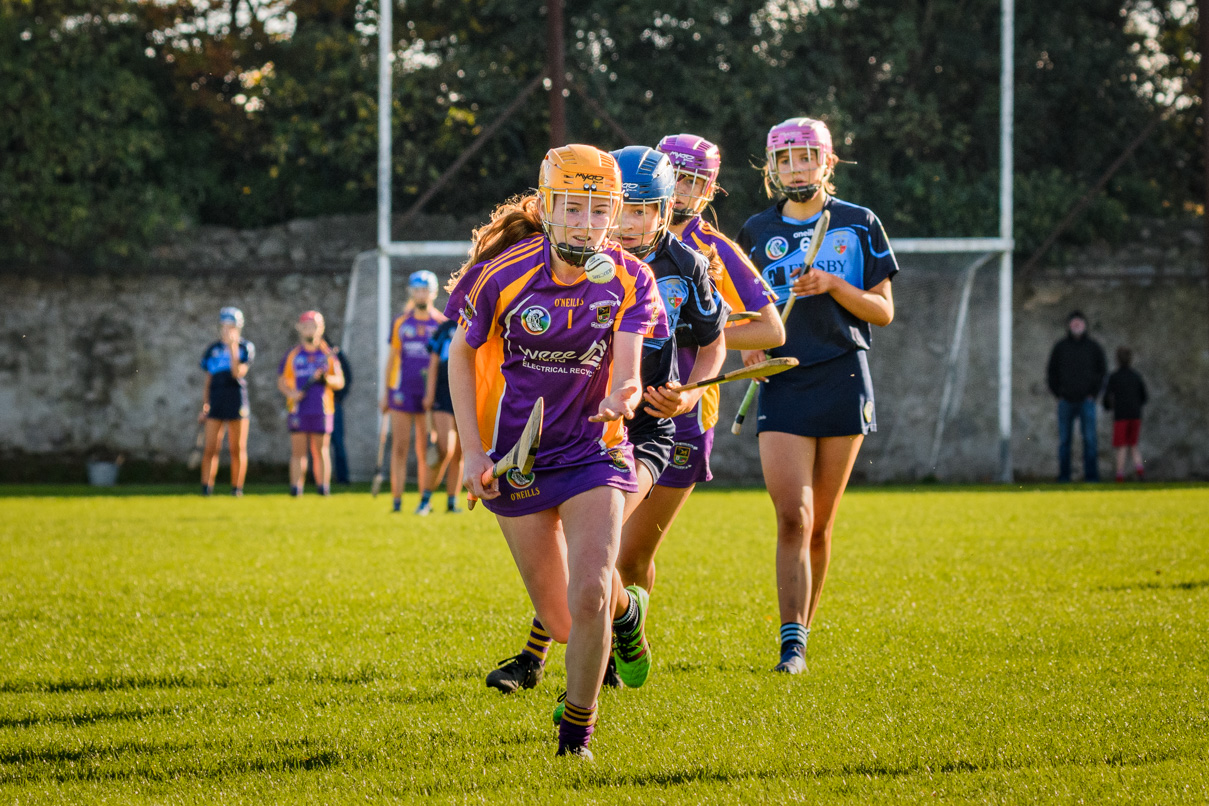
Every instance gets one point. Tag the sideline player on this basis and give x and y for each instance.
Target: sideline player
(533, 325)
(682, 276)
(308, 376)
(813, 418)
(225, 400)
(405, 385)
(438, 401)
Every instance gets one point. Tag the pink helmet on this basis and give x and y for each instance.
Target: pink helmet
(697, 158)
(797, 133)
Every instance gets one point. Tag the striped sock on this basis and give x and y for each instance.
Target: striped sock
(575, 729)
(539, 641)
(794, 635)
(628, 622)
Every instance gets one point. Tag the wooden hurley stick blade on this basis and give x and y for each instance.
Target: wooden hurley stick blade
(761, 370)
(523, 454)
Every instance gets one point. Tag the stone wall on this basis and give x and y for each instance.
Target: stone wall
(110, 363)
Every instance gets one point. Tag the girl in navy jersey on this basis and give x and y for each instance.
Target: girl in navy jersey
(813, 418)
(405, 385)
(225, 400)
(440, 404)
(532, 324)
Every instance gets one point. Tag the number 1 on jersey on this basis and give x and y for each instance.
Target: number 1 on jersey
(569, 312)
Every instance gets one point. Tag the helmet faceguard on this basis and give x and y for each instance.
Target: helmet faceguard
(574, 182)
(791, 138)
(646, 178)
(696, 159)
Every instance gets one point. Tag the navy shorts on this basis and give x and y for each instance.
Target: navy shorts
(228, 404)
(831, 399)
(653, 440)
(690, 462)
(441, 400)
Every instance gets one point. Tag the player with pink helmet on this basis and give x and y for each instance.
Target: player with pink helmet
(813, 418)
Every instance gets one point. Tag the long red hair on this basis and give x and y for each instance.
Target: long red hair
(511, 222)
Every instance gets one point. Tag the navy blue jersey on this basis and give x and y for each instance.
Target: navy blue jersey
(438, 345)
(855, 248)
(682, 275)
(217, 361)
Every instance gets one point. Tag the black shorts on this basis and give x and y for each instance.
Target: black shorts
(441, 400)
(831, 399)
(228, 404)
(653, 441)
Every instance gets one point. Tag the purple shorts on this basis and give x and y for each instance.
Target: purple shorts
(548, 487)
(406, 401)
(690, 462)
(310, 423)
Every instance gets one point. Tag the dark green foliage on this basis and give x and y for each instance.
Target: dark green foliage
(121, 125)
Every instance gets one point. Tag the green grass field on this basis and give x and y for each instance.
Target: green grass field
(1047, 645)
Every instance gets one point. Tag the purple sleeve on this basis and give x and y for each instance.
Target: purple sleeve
(477, 312)
(455, 308)
(749, 286)
(643, 307)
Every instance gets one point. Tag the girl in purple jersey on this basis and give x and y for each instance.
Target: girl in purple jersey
(813, 418)
(406, 372)
(531, 325)
(696, 162)
(308, 376)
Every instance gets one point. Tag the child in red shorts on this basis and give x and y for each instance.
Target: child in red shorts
(1124, 397)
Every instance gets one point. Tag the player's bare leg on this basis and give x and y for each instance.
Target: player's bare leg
(400, 429)
(833, 461)
(450, 451)
(643, 533)
(298, 462)
(322, 460)
(237, 443)
(645, 482)
(213, 444)
(423, 482)
(788, 463)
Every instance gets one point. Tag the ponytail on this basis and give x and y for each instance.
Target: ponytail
(513, 221)
(716, 266)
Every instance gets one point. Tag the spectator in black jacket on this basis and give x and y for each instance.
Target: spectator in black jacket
(1076, 375)
(1124, 397)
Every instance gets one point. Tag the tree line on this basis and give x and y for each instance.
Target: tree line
(124, 122)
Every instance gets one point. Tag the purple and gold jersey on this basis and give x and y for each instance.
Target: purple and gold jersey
(537, 337)
(297, 368)
(408, 363)
(855, 248)
(742, 289)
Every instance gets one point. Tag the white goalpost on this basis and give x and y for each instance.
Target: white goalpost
(977, 252)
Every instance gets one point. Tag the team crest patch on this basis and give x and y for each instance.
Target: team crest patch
(617, 456)
(841, 245)
(520, 480)
(535, 320)
(776, 248)
(604, 314)
(681, 454)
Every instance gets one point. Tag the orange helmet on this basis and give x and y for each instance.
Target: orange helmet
(587, 175)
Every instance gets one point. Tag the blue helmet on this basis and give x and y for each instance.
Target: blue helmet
(423, 279)
(231, 315)
(646, 176)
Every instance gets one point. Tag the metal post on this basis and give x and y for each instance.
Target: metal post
(1203, 28)
(556, 72)
(385, 63)
(1006, 102)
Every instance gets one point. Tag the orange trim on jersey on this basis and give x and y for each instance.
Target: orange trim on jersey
(514, 254)
(288, 375)
(394, 365)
